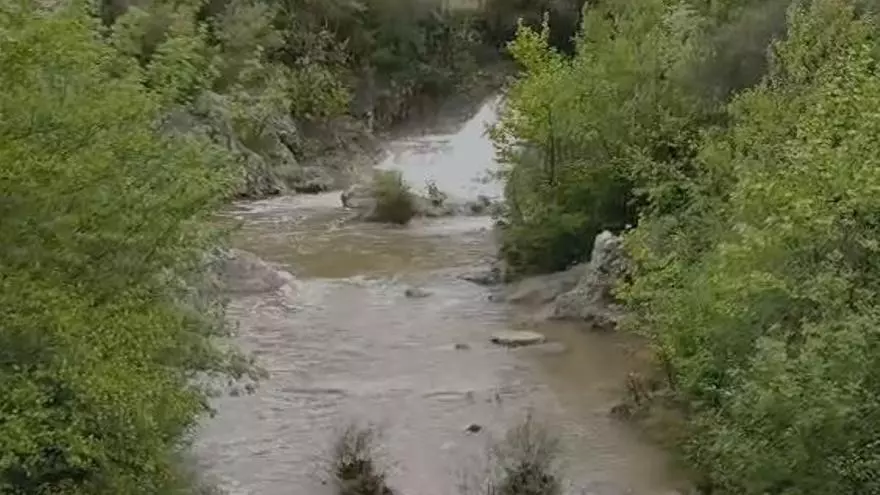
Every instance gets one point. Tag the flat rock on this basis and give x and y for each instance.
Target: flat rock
(517, 338)
(246, 273)
(542, 289)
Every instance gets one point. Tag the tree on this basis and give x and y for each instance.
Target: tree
(104, 233)
(768, 318)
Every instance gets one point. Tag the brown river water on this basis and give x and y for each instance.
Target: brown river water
(343, 343)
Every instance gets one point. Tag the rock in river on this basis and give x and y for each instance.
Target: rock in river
(416, 293)
(542, 289)
(473, 428)
(487, 275)
(512, 338)
(245, 273)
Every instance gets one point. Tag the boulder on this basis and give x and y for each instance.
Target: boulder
(313, 180)
(473, 428)
(541, 289)
(484, 276)
(245, 273)
(416, 293)
(478, 207)
(490, 272)
(592, 300)
(517, 338)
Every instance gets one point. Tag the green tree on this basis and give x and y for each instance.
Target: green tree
(588, 139)
(104, 233)
(766, 313)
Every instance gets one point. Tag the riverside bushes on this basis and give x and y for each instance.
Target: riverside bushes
(754, 200)
(105, 320)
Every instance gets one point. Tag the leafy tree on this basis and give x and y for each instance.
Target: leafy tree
(755, 239)
(768, 325)
(104, 232)
(587, 137)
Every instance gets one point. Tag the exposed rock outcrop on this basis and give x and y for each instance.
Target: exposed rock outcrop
(269, 153)
(270, 164)
(541, 289)
(592, 300)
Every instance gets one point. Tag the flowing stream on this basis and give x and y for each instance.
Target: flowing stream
(343, 343)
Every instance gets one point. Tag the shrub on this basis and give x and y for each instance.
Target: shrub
(522, 463)
(395, 202)
(526, 461)
(354, 467)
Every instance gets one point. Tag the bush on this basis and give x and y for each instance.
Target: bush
(395, 202)
(354, 468)
(522, 463)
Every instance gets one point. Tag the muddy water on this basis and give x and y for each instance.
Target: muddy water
(344, 343)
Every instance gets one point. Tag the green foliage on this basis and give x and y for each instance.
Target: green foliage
(754, 256)
(183, 64)
(762, 296)
(395, 202)
(499, 20)
(408, 51)
(103, 241)
(292, 73)
(586, 137)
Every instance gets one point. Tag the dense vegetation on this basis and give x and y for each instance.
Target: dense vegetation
(106, 320)
(123, 126)
(740, 138)
(281, 83)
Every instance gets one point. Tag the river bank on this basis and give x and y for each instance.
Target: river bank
(343, 342)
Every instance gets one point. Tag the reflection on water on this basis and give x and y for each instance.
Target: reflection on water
(343, 342)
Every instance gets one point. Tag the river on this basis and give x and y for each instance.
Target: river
(343, 343)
